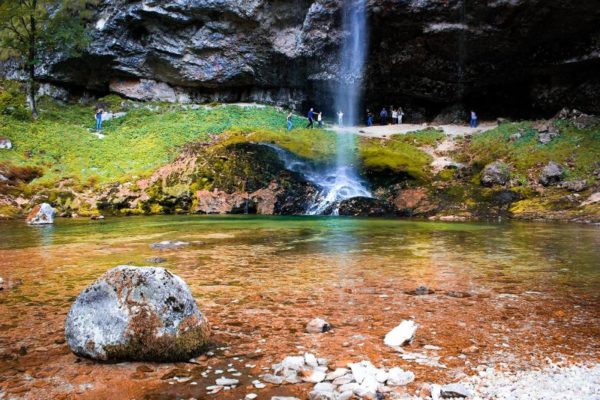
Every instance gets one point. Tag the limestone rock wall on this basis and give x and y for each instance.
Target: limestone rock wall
(505, 57)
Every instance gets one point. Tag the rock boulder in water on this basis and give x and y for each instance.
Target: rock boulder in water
(365, 207)
(41, 215)
(136, 313)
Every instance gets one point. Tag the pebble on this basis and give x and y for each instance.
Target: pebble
(251, 396)
(318, 325)
(274, 379)
(227, 381)
(258, 384)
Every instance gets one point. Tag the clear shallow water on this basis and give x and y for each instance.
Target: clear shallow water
(260, 279)
(548, 253)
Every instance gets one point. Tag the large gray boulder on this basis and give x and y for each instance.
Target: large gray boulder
(551, 174)
(496, 173)
(136, 313)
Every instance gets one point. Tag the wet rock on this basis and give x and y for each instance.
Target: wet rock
(551, 174)
(402, 334)
(5, 143)
(496, 173)
(274, 379)
(318, 325)
(41, 215)
(97, 217)
(7, 284)
(227, 381)
(423, 290)
(594, 198)
(365, 207)
(219, 202)
(574, 186)
(132, 313)
(156, 260)
(412, 201)
(454, 390)
(457, 294)
(168, 245)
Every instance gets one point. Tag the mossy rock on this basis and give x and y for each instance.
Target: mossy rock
(138, 314)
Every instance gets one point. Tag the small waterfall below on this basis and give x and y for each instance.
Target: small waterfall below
(335, 183)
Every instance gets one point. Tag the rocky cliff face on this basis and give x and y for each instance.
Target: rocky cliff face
(504, 57)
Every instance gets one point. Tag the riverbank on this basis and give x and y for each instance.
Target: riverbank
(161, 158)
(500, 300)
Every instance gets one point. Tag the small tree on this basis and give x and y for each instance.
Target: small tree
(33, 29)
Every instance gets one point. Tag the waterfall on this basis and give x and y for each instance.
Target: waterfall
(342, 182)
(335, 184)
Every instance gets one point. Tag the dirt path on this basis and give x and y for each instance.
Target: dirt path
(389, 130)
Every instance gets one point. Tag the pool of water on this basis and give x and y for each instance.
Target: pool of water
(262, 278)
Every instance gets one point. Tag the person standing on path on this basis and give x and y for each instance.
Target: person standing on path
(99, 112)
(311, 116)
(394, 116)
(400, 115)
(473, 119)
(320, 119)
(341, 119)
(289, 121)
(383, 115)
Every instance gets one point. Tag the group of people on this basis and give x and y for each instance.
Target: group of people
(397, 114)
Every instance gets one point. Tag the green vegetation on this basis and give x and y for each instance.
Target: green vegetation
(397, 155)
(62, 142)
(312, 144)
(576, 149)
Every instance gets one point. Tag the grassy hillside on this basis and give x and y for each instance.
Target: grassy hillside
(62, 142)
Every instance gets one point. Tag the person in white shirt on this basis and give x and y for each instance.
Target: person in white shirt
(341, 119)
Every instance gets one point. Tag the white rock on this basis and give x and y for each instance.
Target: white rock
(352, 386)
(381, 376)
(318, 325)
(258, 384)
(342, 380)
(400, 377)
(292, 377)
(284, 398)
(431, 347)
(311, 360)
(293, 362)
(315, 376)
(274, 379)
(324, 387)
(367, 388)
(436, 392)
(251, 396)
(227, 381)
(455, 390)
(402, 334)
(314, 395)
(362, 370)
(339, 372)
(345, 395)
